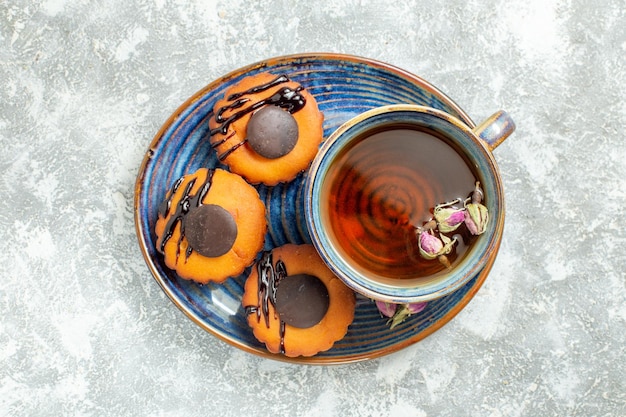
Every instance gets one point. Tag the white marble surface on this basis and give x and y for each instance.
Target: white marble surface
(86, 331)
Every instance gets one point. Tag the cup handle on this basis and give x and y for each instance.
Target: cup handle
(495, 129)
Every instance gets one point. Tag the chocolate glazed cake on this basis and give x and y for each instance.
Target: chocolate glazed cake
(295, 304)
(211, 226)
(267, 128)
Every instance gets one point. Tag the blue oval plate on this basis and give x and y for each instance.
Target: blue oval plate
(344, 86)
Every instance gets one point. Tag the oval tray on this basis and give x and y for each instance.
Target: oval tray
(344, 86)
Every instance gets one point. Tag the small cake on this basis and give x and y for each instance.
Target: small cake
(267, 129)
(295, 304)
(211, 226)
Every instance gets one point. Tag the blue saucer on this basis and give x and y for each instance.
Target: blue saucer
(344, 86)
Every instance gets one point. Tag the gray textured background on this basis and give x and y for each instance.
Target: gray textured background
(85, 330)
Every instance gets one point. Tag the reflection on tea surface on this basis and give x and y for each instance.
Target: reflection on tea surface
(385, 186)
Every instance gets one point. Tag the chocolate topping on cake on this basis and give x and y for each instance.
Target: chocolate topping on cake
(272, 132)
(188, 201)
(240, 104)
(210, 230)
(285, 98)
(303, 303)
(302, 300)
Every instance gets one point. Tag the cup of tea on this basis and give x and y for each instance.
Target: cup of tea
(405, 203)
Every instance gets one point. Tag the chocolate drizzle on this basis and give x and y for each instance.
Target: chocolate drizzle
(257, 89)
(164, 208)
(285, 98)
(269, 278)
(187, 202)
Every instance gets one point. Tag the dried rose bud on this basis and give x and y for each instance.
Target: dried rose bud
(415, 308)
(449, 218)
(476, 218)
(448, 244)
(429, 245)
(432, 247)
(404, 311)
(444, 261)
(477, 194)
(386, 309)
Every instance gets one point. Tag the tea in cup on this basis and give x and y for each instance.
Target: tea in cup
(376, 192)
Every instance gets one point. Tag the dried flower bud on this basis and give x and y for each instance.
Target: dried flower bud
(449, 218)
(429, 245)
(476, 218)
(477, 194)
(448, 244)
(415, 308)
(444, 261)
(403, 311)
(386, 309)
(432, 247)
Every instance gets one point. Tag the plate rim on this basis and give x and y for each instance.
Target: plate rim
(313, 360)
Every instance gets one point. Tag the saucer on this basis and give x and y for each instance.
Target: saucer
(344, 86)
